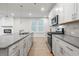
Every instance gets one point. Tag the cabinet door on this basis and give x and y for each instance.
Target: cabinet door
(71, 50)
(29, 42)
(21, 47)
(53, 45)
(7, 21)
(68, 9)
(77, 11)
(25, 49)
(67, 49)
(27, 45)
(12, 49)
(62, 49)
(16, 53)
(60, 13)
(59, 48)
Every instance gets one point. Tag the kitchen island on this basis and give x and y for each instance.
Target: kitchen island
(15, 45)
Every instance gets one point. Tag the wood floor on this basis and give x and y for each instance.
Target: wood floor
(40, 48)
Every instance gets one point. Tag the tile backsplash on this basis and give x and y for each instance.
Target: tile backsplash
(72, 29)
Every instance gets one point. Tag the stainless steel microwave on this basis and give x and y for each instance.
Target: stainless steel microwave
(7, 30)
(54, 20)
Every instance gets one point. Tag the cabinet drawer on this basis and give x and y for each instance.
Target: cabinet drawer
(69, 49)
(66, 48)
(16, 53)
(72, 50)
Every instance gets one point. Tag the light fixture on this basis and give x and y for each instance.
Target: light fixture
(35, 3)
(59, 9)
(42, 9)
(12, 14)
(21, 5)
(30, 14)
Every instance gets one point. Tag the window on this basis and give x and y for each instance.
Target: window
(34, 25)
(41, 26)
(38, 25)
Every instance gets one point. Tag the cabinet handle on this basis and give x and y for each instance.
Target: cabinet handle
(69, 48)
(61, 50)
(24, 45)
(15, 47)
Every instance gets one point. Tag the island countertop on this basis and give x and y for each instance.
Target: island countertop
(8, 40)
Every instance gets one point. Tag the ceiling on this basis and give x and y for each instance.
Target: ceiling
(25, 9)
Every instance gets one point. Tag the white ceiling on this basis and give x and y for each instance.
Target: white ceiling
(34, 8)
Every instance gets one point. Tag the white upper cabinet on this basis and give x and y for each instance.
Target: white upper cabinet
(77, 11)
(60, 12)
(66, 12)
(69, 11)
(7, 21)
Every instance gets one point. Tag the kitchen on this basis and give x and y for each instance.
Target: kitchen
(39, 29)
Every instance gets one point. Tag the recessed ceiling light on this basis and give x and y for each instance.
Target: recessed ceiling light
(21, 5)
(30, 14)
(42, 9)
(59, 9)
(12, 14)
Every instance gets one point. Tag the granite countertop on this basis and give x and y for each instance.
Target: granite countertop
(8, 40)
(69, 39)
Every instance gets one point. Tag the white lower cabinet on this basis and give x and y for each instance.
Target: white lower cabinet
(71, 50)
(16, 49)
(53, 46)
(25, 48)
(29, 42)
(16, 53)
(56, 47)
(21, 47)
(61, 48)
(13, 49)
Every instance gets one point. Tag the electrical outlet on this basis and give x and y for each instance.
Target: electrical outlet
(72, 33)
